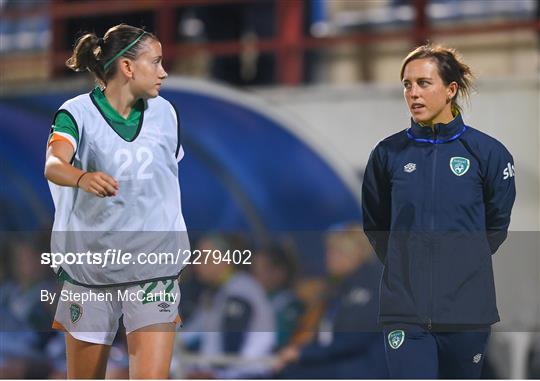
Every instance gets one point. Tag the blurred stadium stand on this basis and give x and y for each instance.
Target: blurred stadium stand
(25, 26)
(266, 42)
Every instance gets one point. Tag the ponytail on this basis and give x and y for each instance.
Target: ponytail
(86, 57)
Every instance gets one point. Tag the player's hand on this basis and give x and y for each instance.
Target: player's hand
(99, 184)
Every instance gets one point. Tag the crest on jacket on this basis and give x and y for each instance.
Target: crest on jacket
(459, 165)
(396, 338)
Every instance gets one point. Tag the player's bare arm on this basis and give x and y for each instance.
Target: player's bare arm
(61, 172)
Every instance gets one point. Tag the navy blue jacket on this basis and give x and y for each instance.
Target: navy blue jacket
(436, 206)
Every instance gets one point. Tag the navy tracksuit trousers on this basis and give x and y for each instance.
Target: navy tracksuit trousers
(413, 351)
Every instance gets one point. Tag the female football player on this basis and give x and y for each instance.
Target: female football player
(112, 165)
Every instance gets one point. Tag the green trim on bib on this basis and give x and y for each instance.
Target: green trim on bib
(62, 276)
(128, 129)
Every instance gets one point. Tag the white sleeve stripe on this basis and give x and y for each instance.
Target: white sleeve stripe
(180, 154)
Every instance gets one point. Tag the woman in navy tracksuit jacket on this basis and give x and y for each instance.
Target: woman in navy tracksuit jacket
(437, 199)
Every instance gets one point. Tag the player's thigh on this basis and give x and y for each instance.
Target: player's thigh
(150, 320)
(90, 329)
(411, 352)
(150, 351)
(89, 315)
(85, 360)
(151, 303)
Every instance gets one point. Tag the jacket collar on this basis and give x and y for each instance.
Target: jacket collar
(440, 133)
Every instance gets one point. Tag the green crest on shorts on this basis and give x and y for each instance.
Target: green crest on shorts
(396, 338)
(75, 312)
(459, 165)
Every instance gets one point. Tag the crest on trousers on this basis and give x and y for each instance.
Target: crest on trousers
(76, 312)
(459, 165)
(396, 338)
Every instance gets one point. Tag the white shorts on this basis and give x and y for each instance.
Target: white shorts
(92, 314)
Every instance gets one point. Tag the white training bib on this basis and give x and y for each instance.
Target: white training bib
(146, 214)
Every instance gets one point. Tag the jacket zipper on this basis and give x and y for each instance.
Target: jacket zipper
(434, 169)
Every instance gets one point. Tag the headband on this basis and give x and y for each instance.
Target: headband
(109, 62)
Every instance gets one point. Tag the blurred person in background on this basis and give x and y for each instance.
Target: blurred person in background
(247, 23)
(22, 294)
(349, 344)
(437, 199)
(276, 270)
(24, 331)
(533, 370)
(18, 355)
(112, 165)
(234, 317)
